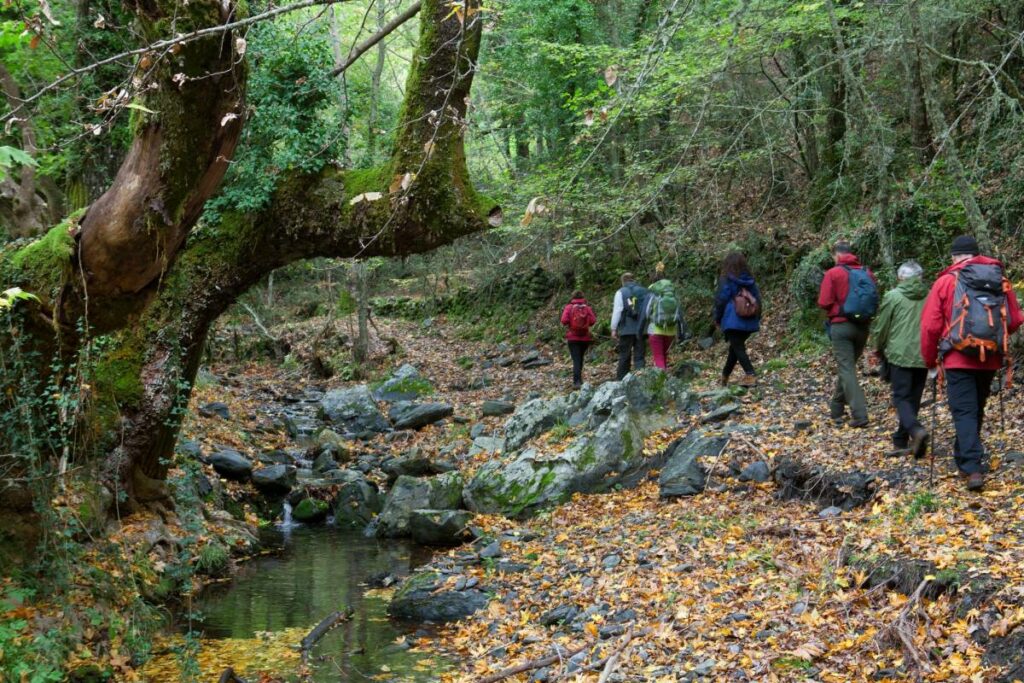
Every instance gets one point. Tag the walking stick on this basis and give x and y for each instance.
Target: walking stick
(931, 463)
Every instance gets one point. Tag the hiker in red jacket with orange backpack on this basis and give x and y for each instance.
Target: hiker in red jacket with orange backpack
(966, 324)
(578, 317)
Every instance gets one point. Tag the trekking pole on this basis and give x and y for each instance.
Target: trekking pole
(931, 463)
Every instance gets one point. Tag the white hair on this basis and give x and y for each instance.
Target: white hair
(909, 269)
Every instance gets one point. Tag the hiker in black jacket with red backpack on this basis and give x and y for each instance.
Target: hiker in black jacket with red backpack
(737, 314)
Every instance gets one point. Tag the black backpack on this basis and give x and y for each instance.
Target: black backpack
(978, 324)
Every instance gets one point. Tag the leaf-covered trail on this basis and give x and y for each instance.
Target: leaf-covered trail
(736, 584)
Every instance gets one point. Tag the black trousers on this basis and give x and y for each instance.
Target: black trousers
(631, 348)
(966, 392)
(737, 352)
(907, 388)
(577, 350)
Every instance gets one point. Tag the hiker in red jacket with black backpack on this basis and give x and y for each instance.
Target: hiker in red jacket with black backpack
(578, 317)
(966, 324)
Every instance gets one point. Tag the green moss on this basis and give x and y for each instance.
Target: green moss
(44, 266)
(310, 510)
(212, 559)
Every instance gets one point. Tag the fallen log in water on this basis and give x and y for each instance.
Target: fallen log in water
(321, 629)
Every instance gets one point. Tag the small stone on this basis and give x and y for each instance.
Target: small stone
(497, 408)
(830, 512)
(706, 342)
(477, 430)
(215, 409)
(798, 609)
(719, 414)
(756, 471)
(802, 425)
(1015, 458)
(611, 561)
(492, 550)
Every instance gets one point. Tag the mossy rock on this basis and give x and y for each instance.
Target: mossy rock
(311, 511)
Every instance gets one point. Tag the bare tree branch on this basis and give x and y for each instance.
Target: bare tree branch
(161, 45)
(380, 35)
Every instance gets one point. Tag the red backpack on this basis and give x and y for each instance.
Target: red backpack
(579, 319)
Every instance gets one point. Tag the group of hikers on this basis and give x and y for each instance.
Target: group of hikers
(653, 316)
(954, 333)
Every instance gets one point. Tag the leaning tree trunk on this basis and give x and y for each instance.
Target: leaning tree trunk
(421, 199)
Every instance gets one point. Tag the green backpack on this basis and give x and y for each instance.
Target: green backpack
(665, 311)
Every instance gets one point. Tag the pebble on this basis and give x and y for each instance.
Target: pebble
(830, 512)
(611, 561)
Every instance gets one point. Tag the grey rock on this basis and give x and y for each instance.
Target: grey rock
(488, 444)
(497, 408)
(562, 614)
(406, 415)
(231, 464)
(439, 527)
(533, 418)
(441, 492)
(310, 511)
(477, 430)
(1015, 458)
(275, 457)
(418, 599)
(830, 512)
(275, 480)
(413, 463)
(325, 461)
(756, 471)
(720, 413)
(706, 342)
(190, 449)
(491, 550)
(404, 384)
(683, 473)
(611, 561)
(536, 363)
(215, 409)
(357, 500)
(353, 411)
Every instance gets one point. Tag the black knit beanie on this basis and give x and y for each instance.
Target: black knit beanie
(965, 244)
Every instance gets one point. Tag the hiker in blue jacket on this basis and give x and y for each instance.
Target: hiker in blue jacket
(737, 314)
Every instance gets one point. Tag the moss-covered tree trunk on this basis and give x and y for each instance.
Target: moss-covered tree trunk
(422, 198)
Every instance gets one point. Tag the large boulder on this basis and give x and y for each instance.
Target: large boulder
(533, 418)
(357, 500)
(404, 384)
(439, 527)
(423, 597)
(353, 411)
(231, 464)
(683, 473)
(441, 492)
(407, 415)
(275, 480)
(594, 462)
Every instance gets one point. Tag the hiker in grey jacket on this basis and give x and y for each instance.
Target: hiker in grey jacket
(629, 324)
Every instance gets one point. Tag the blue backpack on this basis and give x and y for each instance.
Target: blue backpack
(861, 302)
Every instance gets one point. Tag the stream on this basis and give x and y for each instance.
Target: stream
(255, 621)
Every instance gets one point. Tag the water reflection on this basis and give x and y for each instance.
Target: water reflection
(317, 572)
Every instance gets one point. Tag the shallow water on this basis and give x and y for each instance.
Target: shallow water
(318, 571)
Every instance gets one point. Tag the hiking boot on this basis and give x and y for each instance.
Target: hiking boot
(975, 481)
(724, 381)
(858, 424)
(919, 442)
(748, 381)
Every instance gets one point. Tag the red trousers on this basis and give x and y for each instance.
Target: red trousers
(659, 349)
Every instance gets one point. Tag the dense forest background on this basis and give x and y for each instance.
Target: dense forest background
(640, 131)
(614, 135)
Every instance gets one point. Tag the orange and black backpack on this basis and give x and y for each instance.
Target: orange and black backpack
(978, 324)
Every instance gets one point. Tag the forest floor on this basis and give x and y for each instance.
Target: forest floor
(736, 583)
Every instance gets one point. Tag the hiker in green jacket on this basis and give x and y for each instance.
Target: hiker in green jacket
(897, 334)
